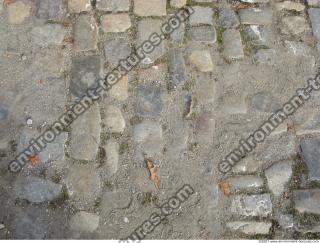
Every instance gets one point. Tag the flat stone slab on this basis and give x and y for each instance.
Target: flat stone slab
(314, 14)
(78, 6)
(115, 50)
(36, 190)
(48, 35)
(149, 102)
(85, 134)
(232, 44)
(310, 151)
(201, 15)
(150, 7)
(84, 222)
(85, 33)
(203, 34)
(47, 9)
(177, 67)
(257, 16)
(114, 119)
(245, 183)
(113, 5)
(228, 18)
(265, 56)
(252, 205)
(264, 102)
(257, 34)
(83, 185)
(307, 201)
(250, 227)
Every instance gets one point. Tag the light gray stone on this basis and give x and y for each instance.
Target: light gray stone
(250, 227)
(112, 154)
(311, 155)
(265, 56)
(232, 44)
(115, 50)
(264, 102)
(245, 183)
(203, 34)
(278, 176)
(177, 68)
(36, 190)
(150, 7)
(228, 18)
(47, 9)
(113, 5)
(18, 11)
(314, 3)
(256, 16)
(294, 25)
(113, 200)
(48, 35)
(257, 34)
(149, 102)
(252, 205)
(85, 135)
(202, 60)
(78, 6)
(314, 14)
(115, 22)
(114, 120)
(84, 222)
(85, 33)
(307, 201)
(83, 185)
(201, 15)
(289, 5)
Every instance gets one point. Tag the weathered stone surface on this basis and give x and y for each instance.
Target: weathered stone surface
(255, 1)
(278, 176)
(85, 135)
(203, 34)
(256, 16)
(307, 201)
(148, 137)
(113, 5)
(18, 11)
(228, 18)
(299, 48)
(294, 25)
(264, 56)
(285, 220)
(245, 183)
(257, 34)
(249, 165)
(311, 155)
(150, 8)
(83, 185)
(314, 3)
(201, 59)
(250, 227)
(177, 36)
(85, 72)
(177, 68)
(56, 150)
(78, 6)
(289, 5)
(49, 34)
(47, 9)
(146, 27)
(314, 14)
(85, 33)
(156, 74)
(113, 200)
(232, 44)
(149, 103)
(252, 205)
(264, 102)
(119, 90)
(115, 50)
(115, 22)
(205, 128)
(84, 222)
(178, 3)
(201, 15)
(36, 190)
(114, 120)
(112, 154)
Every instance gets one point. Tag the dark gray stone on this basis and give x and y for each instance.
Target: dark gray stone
(3, 113)
(310, 150)
(85, 73)
(36, 190)
(307, 201)
(47, 9)
(314, 14)
(228, 18)
(203, 34)
(149, 103)
(177, 68)
(115, 50)
(265, 102)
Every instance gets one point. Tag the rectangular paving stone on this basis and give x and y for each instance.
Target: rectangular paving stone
(201, 15)
(85, 33)
(258, 16)
(177, 68)
(310, 150)
(232, 44)
(47, 9)
(150, 7)
(149, 103)
(252, 205)
(78, 6)
(113, 5)
(115, 22)
(203, 34)
(314, 14)
(245, 183)
(250, 227)
(116, 49)
(314, 3)
(307, 201)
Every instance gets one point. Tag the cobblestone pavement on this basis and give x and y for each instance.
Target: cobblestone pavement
(211, 83)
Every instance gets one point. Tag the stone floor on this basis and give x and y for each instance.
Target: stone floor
(211, 83)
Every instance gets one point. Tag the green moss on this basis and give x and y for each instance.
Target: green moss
(135, 120)
(220, 31)
(124, 147)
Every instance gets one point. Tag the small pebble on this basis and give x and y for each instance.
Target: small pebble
(126, 220)
(29, 122)
(2, 226)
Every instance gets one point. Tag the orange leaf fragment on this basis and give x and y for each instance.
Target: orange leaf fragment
(153, 174)
(68, 40)
(225, 187)
(7, 2)
(33, 159)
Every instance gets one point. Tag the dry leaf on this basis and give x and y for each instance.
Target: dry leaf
(290, 127)
(241, 6)
(225, 187)
(68, 40)
(34, 159)
(153, 174)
